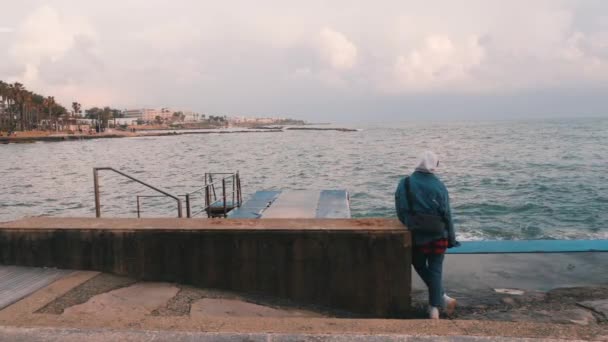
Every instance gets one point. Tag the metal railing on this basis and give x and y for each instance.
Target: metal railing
(231, 180)
(98, 202)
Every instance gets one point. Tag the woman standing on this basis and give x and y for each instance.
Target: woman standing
(423, 205)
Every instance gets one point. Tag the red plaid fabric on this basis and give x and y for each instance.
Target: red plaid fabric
(434, 247)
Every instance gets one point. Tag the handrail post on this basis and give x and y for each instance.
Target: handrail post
(188, 205)
(238, 189)
(96, 186)
(224, 194)
(138, 216)
(207, 200)
(179, 208)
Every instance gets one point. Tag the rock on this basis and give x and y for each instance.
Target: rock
(514, 292)
(599, 306)
(573, 316)
(508, 301)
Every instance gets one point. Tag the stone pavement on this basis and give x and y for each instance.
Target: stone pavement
(131, 311)
(90, 335)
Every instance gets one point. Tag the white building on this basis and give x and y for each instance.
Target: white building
(136, 114)
(252, 120)
(148, 114)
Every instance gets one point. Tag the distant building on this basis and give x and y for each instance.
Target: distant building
(191, 116)
(136, 114)
(253, 120)
(147, 114)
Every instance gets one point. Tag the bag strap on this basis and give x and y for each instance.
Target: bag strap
(410, 196)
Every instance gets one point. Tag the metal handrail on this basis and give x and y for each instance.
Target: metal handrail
(138, 197)
(96, 186)
(236, 199)
(211, 196)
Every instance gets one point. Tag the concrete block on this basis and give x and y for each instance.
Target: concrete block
(357, 265)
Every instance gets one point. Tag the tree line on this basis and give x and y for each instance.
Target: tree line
(21, 109)
(24, 110)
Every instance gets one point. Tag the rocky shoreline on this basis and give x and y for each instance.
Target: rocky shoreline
(321, 129)
(121, 134)
(586, 306)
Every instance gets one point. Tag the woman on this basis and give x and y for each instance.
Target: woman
(427, 214)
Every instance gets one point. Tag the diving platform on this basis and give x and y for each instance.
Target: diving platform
(321, 204)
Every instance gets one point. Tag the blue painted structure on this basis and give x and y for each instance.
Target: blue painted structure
(530, 246)
(335, 204)
(302, 204)
(255, 206)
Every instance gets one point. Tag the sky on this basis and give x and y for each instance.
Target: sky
(339, 60)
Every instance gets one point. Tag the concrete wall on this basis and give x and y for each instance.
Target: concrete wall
(362, 266)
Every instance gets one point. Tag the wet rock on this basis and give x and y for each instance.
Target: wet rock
(599, 306)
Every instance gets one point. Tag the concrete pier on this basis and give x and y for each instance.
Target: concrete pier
(357, 265)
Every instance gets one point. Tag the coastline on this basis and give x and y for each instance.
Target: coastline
(66, 137)
(30, 138)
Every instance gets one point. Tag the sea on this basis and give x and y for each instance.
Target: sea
(529, 179)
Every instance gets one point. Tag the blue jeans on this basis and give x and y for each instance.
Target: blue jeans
(430, 267)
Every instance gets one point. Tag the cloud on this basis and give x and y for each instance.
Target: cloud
(438, 62)
(6, 29)
(336, 50)
(275, 56)
(46, 35)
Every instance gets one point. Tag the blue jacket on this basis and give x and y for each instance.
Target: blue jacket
(430, 197)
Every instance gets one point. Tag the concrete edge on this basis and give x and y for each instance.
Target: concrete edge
(165, 224)
(35, 334)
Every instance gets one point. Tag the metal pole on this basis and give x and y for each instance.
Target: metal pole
(188, 205)
(207, 209)
(224, 194)
(179, 208)
(238, 186)
(233, 190)
(96, 186)
(138, 207)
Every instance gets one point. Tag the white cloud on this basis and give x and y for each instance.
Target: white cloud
(438, 62)
(47, 35)
(204, 54)
(336, 50)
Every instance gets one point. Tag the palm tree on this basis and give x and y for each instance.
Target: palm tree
(18, 94)
(49, 104)
(76, 108)
(3, 105)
